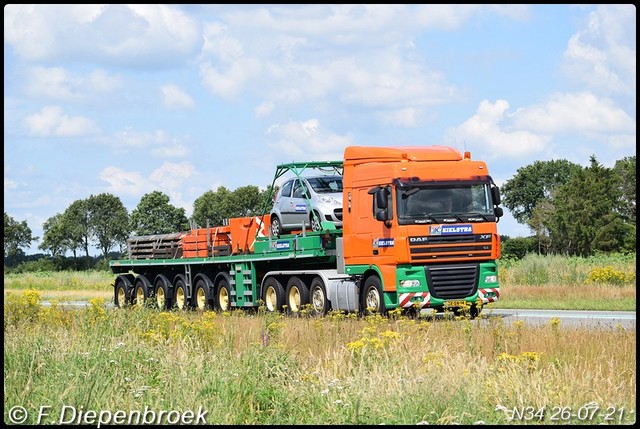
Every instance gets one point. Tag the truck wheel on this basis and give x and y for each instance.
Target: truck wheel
(371, 300)
(297, 294)
(162, 292)
(318, 298)
(180, 297)
(201, 300)
(276, 226)
(223, 294)
(316, 220)
(122, 291)
(475, 311)
(273, 295)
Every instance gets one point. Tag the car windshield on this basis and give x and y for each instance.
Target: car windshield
(326, 184)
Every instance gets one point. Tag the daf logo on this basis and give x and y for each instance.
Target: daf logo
(418, 240)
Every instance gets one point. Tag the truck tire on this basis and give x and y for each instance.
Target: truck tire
(273, 295)
(318, 298)
(297, 295)
(223, 296)
(162, 292)
(180, 294)
(122, 293)
(372, 299)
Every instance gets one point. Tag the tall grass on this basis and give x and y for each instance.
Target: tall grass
(568, 283)
(256, 368)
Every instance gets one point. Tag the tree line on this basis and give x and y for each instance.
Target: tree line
(569, 210)
(104, 222)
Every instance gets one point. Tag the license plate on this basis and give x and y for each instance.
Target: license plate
(456, 304)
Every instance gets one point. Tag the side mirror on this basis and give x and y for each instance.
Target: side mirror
(498, 211)
(495, 194)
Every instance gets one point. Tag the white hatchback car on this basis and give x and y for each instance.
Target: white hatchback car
(299, 198)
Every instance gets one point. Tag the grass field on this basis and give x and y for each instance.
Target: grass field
(102, 365)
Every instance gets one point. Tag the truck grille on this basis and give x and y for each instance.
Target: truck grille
(450, 247)
(452, 281)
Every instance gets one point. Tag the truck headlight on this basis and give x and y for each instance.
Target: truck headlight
(491, 279)
(410, 283)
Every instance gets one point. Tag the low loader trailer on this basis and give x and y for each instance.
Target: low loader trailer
(419, 231)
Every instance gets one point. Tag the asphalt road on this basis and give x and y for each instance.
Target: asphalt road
(572, 318)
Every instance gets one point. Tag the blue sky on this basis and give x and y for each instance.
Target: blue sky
(186, 98)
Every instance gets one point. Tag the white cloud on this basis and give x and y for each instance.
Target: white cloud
(170, 178)
(52, 122)
(175, 98)
(158, 143)
(160, 35)
(582, 113)
(490, 129)
(57, 83)
(602, 55)
(307, 140)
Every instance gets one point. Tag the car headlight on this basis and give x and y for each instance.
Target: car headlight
(329, 200)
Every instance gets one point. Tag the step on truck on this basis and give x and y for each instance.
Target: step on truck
(419, 231)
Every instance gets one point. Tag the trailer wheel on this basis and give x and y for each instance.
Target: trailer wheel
(180, 297)
(201, 300)
(122, 291)
(223, 294)
(318, 297)
(162, 292)
(297, 294)
(371, 300)
(273, 294)
(141, 291)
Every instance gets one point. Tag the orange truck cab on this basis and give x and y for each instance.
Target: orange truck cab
(419, 229)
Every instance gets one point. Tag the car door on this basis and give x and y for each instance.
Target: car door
(297, 209)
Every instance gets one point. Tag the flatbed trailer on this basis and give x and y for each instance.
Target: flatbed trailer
(386, 256)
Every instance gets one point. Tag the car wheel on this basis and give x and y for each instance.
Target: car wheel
(276, 226)
(316, 224)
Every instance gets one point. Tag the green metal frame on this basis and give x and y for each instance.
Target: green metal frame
(297, 168)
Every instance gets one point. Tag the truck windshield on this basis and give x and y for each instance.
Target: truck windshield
(419, 202)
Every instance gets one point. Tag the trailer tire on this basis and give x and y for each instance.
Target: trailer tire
(223, 296)
(372, 299)
(297, 295)
(180, 294)
(141, 289)
(201, 296)
(163, 292)
(122, 293)
(273, 295)
(318, 297)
